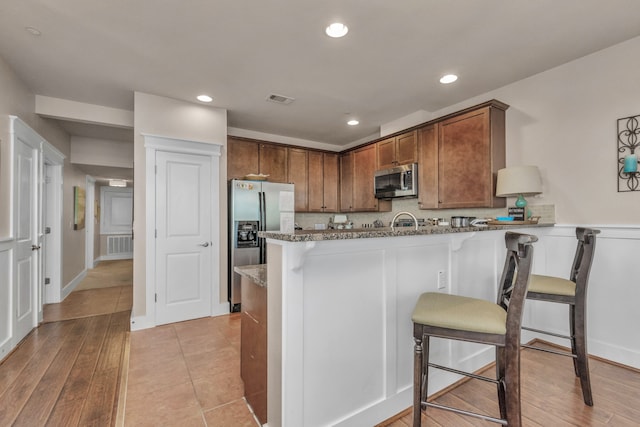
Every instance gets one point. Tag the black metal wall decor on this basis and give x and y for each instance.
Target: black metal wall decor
(628, 142)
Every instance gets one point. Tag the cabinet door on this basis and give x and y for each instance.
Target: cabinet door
(346, 182)
(253, 364)
(330, 182)
(406, 148)
(364, 165)
(386, 153)
(316, 182)
(273, 162)
(242, 158)
(298, 175)
(464, 150)
(428, 167)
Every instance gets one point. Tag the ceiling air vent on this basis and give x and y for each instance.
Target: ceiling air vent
(280, 99)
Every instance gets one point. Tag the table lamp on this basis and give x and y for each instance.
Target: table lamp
(519, 181)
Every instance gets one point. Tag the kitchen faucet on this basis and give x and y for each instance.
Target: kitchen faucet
(415, 221)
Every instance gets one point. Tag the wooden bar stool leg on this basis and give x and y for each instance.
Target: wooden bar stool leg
(581, 362)
(425, 369)
(512, 385)
(418, 378)
(501, 386)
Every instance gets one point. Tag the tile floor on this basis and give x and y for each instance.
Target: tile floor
(187, 374)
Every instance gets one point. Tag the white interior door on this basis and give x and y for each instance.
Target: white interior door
(25, 292)
(183, 237)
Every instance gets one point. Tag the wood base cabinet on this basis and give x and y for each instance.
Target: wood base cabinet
(253, 346)
(466, 150)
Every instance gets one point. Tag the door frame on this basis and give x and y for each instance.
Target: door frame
(89, 223)
(52, 243)
(153, 144)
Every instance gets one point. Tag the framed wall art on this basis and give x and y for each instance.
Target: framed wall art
(79, 201)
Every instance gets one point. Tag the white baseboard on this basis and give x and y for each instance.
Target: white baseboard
(608, 351)
(69, 287)
(144, 322)
(139, 323)
(220, 309)
(128, 255)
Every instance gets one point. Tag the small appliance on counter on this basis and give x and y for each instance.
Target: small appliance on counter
(340, 222)
(408, 222)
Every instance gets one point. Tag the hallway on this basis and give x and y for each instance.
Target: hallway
(107, 288)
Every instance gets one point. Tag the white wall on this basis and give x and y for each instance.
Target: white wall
(19, 101)
(564, 121)
(180, 120)
(101, 152)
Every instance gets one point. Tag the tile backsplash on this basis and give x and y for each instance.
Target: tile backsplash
(308, 220)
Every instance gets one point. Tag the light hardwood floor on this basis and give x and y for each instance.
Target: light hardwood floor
(65, 374)
(551, 396)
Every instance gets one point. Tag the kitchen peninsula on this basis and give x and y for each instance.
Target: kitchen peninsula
(340, 347)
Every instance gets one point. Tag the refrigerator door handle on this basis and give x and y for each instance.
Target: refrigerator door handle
(262, 226)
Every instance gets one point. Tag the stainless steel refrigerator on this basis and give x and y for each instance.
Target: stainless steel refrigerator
(253, 206)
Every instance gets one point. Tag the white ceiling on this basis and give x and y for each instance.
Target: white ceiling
(240, 51)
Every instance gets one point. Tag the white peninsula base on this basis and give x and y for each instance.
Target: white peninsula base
(340, 346)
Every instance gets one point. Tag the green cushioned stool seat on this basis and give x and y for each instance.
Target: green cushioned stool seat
(461, 313)
(552, 285)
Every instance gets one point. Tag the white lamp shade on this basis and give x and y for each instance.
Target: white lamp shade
(517, 180)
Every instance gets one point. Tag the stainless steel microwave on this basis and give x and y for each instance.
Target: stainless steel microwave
(401, 181)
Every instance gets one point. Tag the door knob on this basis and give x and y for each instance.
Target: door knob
(205, 244)
(35, 247)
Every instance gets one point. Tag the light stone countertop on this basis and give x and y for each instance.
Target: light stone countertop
(368, 233)
(255, 273)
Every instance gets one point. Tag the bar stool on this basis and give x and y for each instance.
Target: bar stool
(573, 292)
(470, 319)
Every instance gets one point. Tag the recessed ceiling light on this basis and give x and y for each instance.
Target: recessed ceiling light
(449, 78)
(33, 31)
(337, 29)
(204, 98)
(353, 122)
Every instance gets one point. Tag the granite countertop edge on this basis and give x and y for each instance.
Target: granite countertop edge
(256, 273)
(319, 235)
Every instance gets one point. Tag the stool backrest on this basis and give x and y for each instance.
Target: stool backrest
(581, 267)
(515, 279)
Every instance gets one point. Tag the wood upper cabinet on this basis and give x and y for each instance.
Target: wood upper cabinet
(364, 165)
(323, 182)
(273, 162)
(428, 167)
(346, 182)
(397, 150)
(298, 175)
(245, 157)
(242, 158)
(470, 150)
